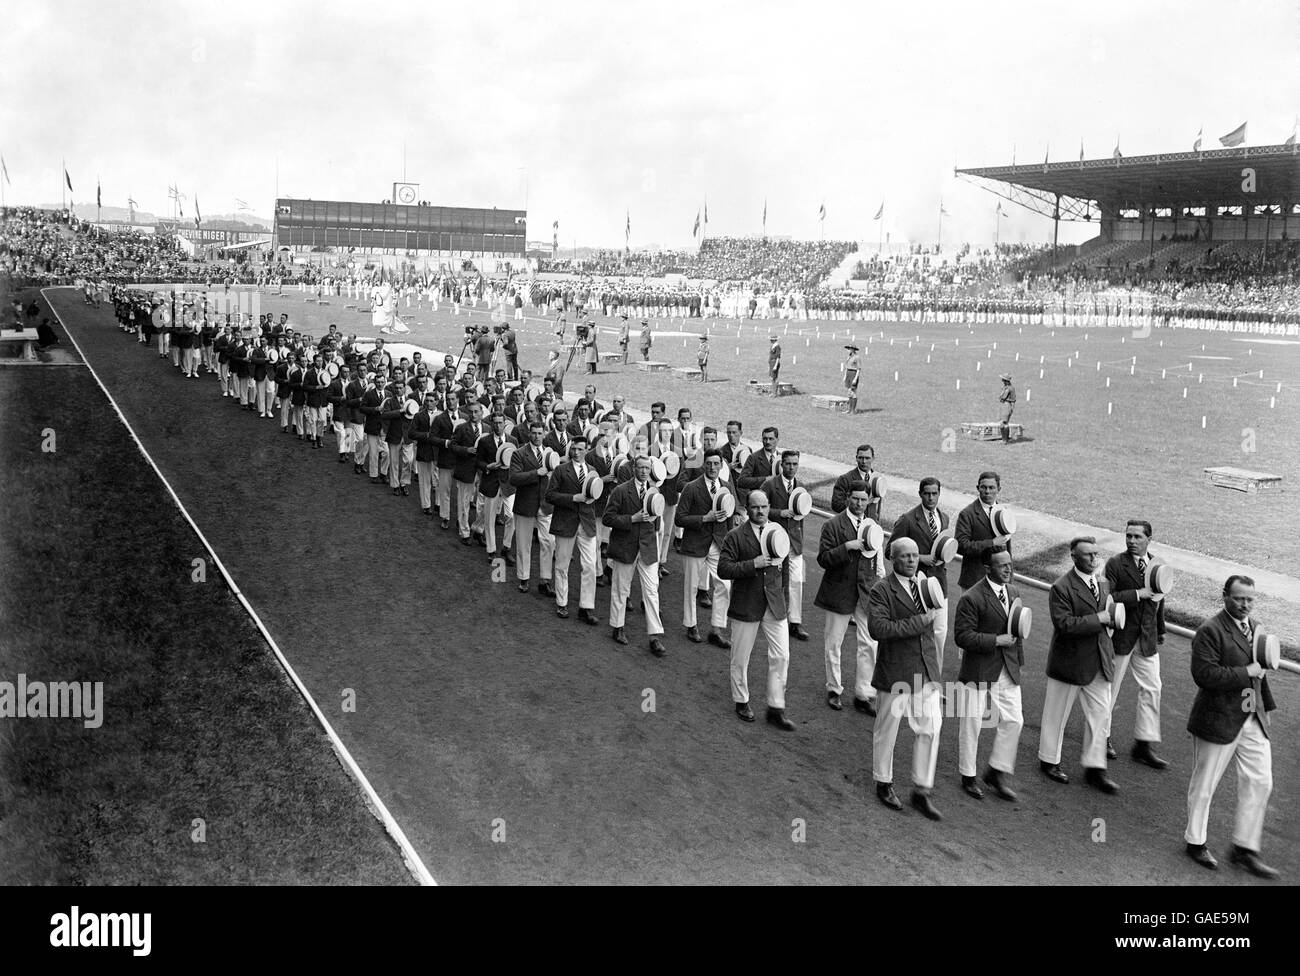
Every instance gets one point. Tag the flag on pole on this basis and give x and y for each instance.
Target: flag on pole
(131, 202)
(1000, 210)
(1234, 138)
(1046, 154)
(240, 204)
(1117, 154)
(1290, 140)
(1080, 150)
(99, 189)
(881, 212)
(706, 213)
(942, 212)
(68, 180)
(764, 215)
(696, 231)
(1196, 146)
(822, 212)
(627, 230)
(5, 170)
(198, 218)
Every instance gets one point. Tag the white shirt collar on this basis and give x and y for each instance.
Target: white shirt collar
(997, 588)
(1088, 580)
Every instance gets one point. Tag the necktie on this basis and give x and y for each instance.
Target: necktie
(582, 473)
(640, 491)
(1245, 628)
(789, 487)
(1002, 595)
(934, 525)
(1142, 564)
(916, 595)
(1092, 585)
(713, 489)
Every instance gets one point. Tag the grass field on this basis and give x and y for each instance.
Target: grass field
(1079, 461)
(198, 719)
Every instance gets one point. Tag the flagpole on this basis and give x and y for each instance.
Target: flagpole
(63, 184)
(939, 243)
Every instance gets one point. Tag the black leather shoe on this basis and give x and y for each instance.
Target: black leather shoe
(1053, 771)
(885, 793)
(587, 617)
(510, 558)
(544, 588)
(601, 582)
(428, 511)
(693, 635)
(1097, 778)
(994, 781)
(744, 712)
(1202, 856)
(446, 523)
(971, 787)
(833, 700)
(657, 647)
(1142, 753)
(406, 492)
(718, 640)
(562, 613)
(523, 586)
(1249, 860)
(704, 600)
(664, 571)
(921, 801)
(776, 716)
(465, 541)
(1110, 749)
(864, 705)
(797, 632)
(619, 636)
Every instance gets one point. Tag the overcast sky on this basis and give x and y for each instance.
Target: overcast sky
(589, 110)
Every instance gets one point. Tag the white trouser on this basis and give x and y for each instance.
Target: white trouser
(924, 713)
(464, 494)
(377, 452)
(343, 434)
(666, 533)
(941, 637)
(359, 445)
(794, 590)
(621, 589)
(491, 507)
(400, 459)
(507, 510)
(524, 525)
(837, 625)
(1210, 761)
(1146, 672)
(443, 481)
(428, 477)
(589, 556)
(1002, 699)
(695, 576)
(743, 634)
(1057, 706)
(721, 590)
(265, 392)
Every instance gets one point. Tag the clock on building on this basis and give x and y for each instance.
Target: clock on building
(405, 192)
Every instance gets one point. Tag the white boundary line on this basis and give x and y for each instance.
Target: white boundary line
(413, 862)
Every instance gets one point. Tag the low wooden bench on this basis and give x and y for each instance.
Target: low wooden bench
(611, 357)
(990, 431)
(652, 366)
(1239, 479)
(28, 337)
(685, 373)
(830, 401)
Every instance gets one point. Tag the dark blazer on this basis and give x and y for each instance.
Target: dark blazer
(464, 445)
(980, 618)
(394, 416)
(1220, 655)
(753, 591)
(848, 575)
(1144, 623)
(568, 514)
(555, 442)
(1080, 645)
(422, 433)
(671, 488)
(840, 494)
(779, 499)
(352, 393)
(905, 651)
(530, 487)
(370, 404)
(913, 525)
(338, 398)
(316, 382)
(489, 482)
(695, 503)
(444, 427)
(757, 470)
(629, 540)
(974, 535)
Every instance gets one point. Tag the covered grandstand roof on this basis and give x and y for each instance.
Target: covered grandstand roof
(1209, 178)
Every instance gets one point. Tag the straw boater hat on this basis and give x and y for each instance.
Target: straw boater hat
(1158, 578)
(505, 453)
(654, 502)
(851, 348)
(1266, 649)
(1019, 619)
(1004, 523)
(944, 547)
(931, 592)
(1006, 377)
(872, 537)
(774, 541)
(800, 503)
(724, 503)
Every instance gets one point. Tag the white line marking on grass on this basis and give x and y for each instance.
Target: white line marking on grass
(413, 862)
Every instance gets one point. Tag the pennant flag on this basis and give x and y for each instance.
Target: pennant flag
(5, 170)
(696, 231)
(68, 180)
(881, 212)
(1196, 146)
(627, 231)
(822, 212)
(764, 213)
(99, 189)
(1000, 210)
(555, 225)
(1117, 154)
(1290, 140)
(942, 212)
(240, 204)
(131, 203)
(706, 213)
(198, 218)
(1046, 154)
(1234, 138)
(1080, 150)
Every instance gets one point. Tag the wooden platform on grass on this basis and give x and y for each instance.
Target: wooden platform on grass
(611, 357)
(652, 366)
(765, 389)
(27, 338)
(829, 401)
(1239, 479)
(685, 373)
(991, 431)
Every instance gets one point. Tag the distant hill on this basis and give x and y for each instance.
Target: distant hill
(241, 221)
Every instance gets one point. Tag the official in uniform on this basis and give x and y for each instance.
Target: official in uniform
(852, 373)
(1080, 665)
(990, 671)
(634, 548)
(1007, 405)
(1229, 724)
(757, 600)
(774, 361)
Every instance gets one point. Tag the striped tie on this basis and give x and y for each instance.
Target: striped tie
(1092, 585)
(1002, 594)
(916, 595)
(934, 526)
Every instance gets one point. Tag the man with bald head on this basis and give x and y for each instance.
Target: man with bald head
(906, 678)
(757, 600)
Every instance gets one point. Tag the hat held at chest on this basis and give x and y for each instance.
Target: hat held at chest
(944, 547)
(931, 592)
(505, 453)
(593, 486)
(1266, 649)
(653, 504)
(774, 541)
(800, 504)
(1019, 619)
(872, 537)
(724, 503)
(1158, 578)
(1004, 522)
